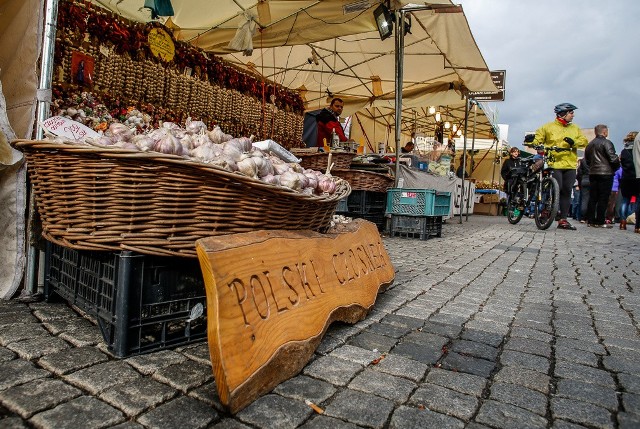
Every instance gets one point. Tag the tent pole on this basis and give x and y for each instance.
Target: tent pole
(399, 24)
(43, 107)
(473, 145)
(464, 160)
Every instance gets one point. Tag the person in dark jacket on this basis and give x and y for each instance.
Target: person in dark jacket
(629, 185)
(328, 121)
(603, 162)
(582, 177)
(508, 165)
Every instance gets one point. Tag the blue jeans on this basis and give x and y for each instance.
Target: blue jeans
(576, 205)
(626, 207)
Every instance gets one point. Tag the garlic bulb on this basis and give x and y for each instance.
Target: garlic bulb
(263, 165)
(168, 145)
(270, 179)
(199, 139)
(232, 152)
(144, 142)
(102, 141)
(126, 145)
(280, 168)
(304, 180)
(204, 153)
(326, 185)
(290, 180)
(313, 180)
(195, 127)
(120, 132)
(248, 167)
(216, 135)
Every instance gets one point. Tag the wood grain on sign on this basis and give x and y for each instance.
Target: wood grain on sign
(272, 294)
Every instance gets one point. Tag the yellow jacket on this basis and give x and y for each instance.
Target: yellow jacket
(552, 134)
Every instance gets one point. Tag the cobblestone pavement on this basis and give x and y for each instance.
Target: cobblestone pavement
(491, 326)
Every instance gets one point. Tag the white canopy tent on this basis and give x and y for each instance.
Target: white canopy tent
(323, 48)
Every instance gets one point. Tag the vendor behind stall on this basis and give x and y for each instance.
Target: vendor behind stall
(328, 121)
(408, 148)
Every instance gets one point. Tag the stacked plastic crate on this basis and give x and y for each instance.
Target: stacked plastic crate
(141, 303)
(417, 213)
(367, 205)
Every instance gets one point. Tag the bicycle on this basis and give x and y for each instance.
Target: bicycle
(532, 182)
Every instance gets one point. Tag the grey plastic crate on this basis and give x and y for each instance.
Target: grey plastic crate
(421, 227)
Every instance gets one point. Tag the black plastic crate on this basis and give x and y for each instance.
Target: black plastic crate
(422, 227)
(376, 217)
(141, 303)
(366, 202)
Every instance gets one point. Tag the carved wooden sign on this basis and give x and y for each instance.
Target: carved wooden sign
(272, 294)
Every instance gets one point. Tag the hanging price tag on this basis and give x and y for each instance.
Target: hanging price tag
(65, 127)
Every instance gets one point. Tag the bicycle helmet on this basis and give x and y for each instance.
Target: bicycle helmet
(562, 108)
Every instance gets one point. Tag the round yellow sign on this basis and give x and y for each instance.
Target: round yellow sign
(161, 44)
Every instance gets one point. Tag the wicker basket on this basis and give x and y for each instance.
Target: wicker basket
(365, 180)
(318, 161)
(94, 198)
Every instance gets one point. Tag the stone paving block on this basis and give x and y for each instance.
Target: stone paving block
(19, 332)
(207, 393)
(152, 362)
(527, 345)
(198, 352)
(72, 360)
(102, 376)
(372, 341)
(624, 344)
(274, 411)
(576, 356)
(360, 408)
(458, 381)
(587, 346)
(54, 312)
(631, 403)
(81, 337)
(38, 395)
(137, 396)
(519, 396)
(388, 330)
(324, 422)
(583, 373)
(448, 319)
(34, 348)
(58, 326)
(403, 321)
(524, 377)
(563, 424)
(445, 401)
(525, 360)
(531, 334)
(334, 370)
(498, 414)
(184, 375)
(420, 352)
(492, 327)
(128, 425)
(6, 354)
(411, 311)
(581, 412)
(9, 319)
(385, 385)
(486, 337)
(425, 338)
(619, 330)
(229, 424)
(587, 392)
(629, 382)
(182, 412)
(413, 418)
(473, 348)
(401, 367)
(328, 344)
(302, 387)
(355, 354)
(12, 423)
(622, 364)
(83, 412)
(542, 326)
(342, 331)
(468, 364)
(19, 371)
(628, 421)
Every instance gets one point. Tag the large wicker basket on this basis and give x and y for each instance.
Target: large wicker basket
(96, 198)
(365, 180)
(318, 161)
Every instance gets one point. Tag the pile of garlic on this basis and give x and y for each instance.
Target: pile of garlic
(234, 154)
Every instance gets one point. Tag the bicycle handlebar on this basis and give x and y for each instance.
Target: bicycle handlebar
(548, 148)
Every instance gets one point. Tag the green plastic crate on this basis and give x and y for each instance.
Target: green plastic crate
(418, 202)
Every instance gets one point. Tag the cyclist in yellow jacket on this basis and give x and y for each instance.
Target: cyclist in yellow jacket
(563, 133)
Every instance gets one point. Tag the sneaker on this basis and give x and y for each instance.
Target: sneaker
(583, 221)
(563, 224)
(607, 225)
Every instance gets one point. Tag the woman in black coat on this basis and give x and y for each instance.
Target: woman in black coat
(629, 184)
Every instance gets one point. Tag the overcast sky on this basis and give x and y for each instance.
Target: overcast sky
(579, 51)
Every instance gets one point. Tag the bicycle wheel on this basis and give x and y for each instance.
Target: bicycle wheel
(547, 201)
(516, 203)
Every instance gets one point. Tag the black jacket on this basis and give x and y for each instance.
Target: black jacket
(601, 157)
(626, 161)
(507, 166)
(582, 174)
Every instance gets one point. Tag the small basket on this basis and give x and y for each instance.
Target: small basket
(318, 161)
(100, 198)
(361, 180)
